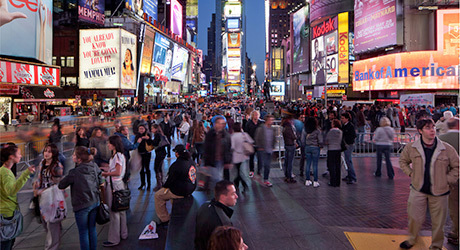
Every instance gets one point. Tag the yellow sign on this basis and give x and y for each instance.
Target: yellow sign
(343, 48)
(95, 97)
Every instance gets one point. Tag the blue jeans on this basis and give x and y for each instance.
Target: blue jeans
(288, 160)
(384, 149)
(86, 223)
(217, 174)
(265, 159)
(312, 155)
(360, 135)
(348, 159)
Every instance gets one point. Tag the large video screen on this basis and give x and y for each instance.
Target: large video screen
(176, 18)
(29, 30)
(139, 7)
(411, 70)
(232, 9)
(233, 23)
(375, 24)
(234, 40)
(179, 65)
(448, 29)
(301, 31)
(162, 58)
(277, 89)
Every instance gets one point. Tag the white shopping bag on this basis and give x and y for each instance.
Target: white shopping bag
(52, 204)
(135, 162)
(149, 232)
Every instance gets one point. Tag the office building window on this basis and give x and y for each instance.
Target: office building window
(54, 60)
(63, 61)
(70, 61)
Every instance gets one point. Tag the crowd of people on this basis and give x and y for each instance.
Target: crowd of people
(214, 142)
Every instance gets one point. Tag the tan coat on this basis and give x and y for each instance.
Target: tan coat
(443, 167)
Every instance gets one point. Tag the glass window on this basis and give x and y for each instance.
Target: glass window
(63, 61)
(54, 60)
(70, 61)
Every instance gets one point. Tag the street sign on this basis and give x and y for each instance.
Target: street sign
(344, 97)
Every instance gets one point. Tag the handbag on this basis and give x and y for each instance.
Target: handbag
(163, 142)
(12, 227)
(103, 214)
(120, 199)
(248, 148)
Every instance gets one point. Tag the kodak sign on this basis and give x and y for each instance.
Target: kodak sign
(324, 28)
(343, 48)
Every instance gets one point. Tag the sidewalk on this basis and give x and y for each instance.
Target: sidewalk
(286, 216)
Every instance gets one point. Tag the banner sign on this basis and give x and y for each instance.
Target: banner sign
(91, 11)
(127, 60)
(375, 24)
(344, 75)
(448, 29)
(146, 61)
(301, 48)
(28, 74)
(176, 18)
(410, 70)
(417, 99)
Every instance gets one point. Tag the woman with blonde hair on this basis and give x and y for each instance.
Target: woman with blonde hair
(383, 140)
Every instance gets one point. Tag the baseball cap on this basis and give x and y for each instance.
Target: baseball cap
(179, 149)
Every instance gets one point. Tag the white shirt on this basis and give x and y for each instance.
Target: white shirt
(118, 158)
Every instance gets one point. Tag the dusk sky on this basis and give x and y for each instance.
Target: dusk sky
(255, 30)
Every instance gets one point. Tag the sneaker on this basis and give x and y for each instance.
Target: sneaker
(291, 180)
(405, 245)
(109, 244)
(251, 174)
(292, 175)
(308, 183)
(315, 184)
(268, 183)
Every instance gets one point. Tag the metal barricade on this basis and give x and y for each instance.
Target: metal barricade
(365, 147)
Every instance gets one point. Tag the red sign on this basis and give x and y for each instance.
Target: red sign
(48, 93)
(326, 27)
(159, 75)
(344, 97)
(6, 89)
(309, 97)
(11, 72)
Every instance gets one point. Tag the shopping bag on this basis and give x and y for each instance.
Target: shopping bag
(149, 232)
(53, 207)
(135, 161)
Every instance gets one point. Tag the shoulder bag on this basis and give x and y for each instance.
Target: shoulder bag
(248, 148)
(103, 213)
(11, 228)
(120, 199)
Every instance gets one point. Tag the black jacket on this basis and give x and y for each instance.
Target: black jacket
(349, 133)
(182, 177)
(168, 130)
(210, 144)
(251, 128)
(159, 151)
(141, 147)
(210, 216)
(84, 181)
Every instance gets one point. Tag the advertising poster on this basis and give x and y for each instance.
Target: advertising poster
(277, 89)
(232, 9)
(301, 29)
(375, 24)
(29, 33)
(419, 70)
(344, 75)
(426, 99)
(324, 48)
(128, 60)
(162, 58)
(233, 23)
(176, 18)
(448, 29)
(139, 7)
(234, 63)
(91, 11)
(100, 59)
(192, 9)
(332, 63)
(324, 8)
(146, 61)
(234, 40)
(179, 63)
(234, 52)
(21, 73)
(192, 23)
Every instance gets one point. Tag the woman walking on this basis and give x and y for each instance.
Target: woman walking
(84, 181)
(313, 143)
(9, 187)
(50, 173)
(184, 129)
(333, 142)
(114, 174)
(160, 154)
(199, 135)
(238, 138)
(145, 155)
(383, 140)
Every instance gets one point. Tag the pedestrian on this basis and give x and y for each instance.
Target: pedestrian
(160, 154)
(184, 129)
(238, 139)
(265, 139)
(9, 187)
(432, 165)
(137, 123)
(290, 145)
(84, 181)
(383, 139)
(441, 124)
(146, 156)
(99, 141)
(299, 124)
(181, 182)
(6, 120)
(50, 172)
(81, 138)
(199, 135)
(114, 174)
(250, 128)
(168, 131)
(313, 143)
(348, 137)
(127, 144)
(361, 123)
(215, 213)
(333, 142)
(227, 238)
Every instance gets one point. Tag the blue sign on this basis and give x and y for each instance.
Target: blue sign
(139, 7)
(233, 23)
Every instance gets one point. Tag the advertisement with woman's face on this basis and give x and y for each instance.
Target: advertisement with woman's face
(128, 67)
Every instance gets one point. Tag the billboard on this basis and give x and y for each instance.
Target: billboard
(234, 40)
(21, 73)
(192, 23)
(343, 44)
(426, 99)
(162, 58)
(176, 18)
(107, 59)
(323, 8)
(29, 30)
(409, 70)
(324, 62)
(375, 24)
(179, 63)
(301, 48)
(448, 29)
(147, 52)
(277, 89)
(233, 23)
(91, 11)
(139, 7)
(191, 9)
(234, 52)
(234, 63)
(232, 10)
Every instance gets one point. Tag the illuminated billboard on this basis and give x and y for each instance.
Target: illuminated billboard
(192, 23)
(323, 8)
(139, 7)
(234, 52)
(232, 10)
(28, 74)
(234, 40)
(375, 24)
(191, 9)
(233, 23)
(28, 32)
(234, 63)
(147, 52)
(91, 11)
(277, 89)
(179, 63)
(301, 48)
(176, 18)
(448, 29)
(162, 58)
(324, 52)
(410, 70)
(107, 59)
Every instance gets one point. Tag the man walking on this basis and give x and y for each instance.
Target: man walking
(432, 165)
(168, 131)
(349, 136)
(265, 142)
